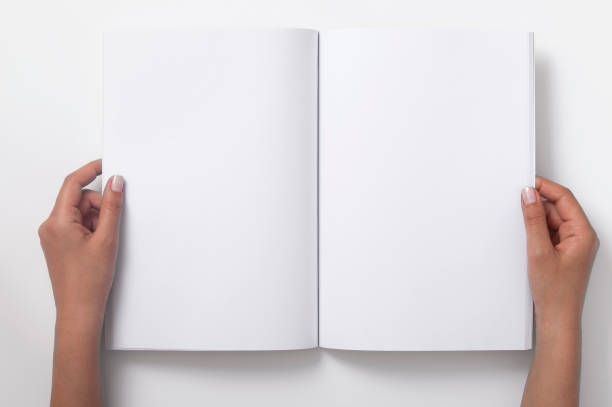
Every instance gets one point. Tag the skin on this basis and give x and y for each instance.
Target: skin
(561, 248)
(80, 240)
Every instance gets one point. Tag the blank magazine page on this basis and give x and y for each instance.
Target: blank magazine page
(426, 140)
(215, 132)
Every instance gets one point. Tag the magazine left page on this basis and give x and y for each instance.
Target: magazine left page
(215, 132)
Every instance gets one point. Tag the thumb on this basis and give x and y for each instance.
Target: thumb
(110, 209)
(534, 214)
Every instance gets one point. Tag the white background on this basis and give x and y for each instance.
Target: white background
(51, 123)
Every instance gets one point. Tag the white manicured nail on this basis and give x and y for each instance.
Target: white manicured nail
(117, 183)
(529, 195)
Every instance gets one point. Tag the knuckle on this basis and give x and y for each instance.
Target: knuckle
(539, 253)
(42, 230)
(113, 206)
(592, 239)
(567, 192)
(535, 218)
(107, 241)
(47, 229)
(69, 178)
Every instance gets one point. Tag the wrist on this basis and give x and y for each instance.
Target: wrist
(558, 327)
(81, 323)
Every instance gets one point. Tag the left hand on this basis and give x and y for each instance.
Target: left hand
(79, 240)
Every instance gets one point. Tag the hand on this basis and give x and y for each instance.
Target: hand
(79, 240)
(561, 248)
(80, 244)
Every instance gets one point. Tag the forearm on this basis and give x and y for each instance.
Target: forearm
(76, 364)
(554, 379)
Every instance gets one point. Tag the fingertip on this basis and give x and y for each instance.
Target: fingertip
(111, 208)
(529, 196)
(538, 181)
(117, 183)
(97, 165)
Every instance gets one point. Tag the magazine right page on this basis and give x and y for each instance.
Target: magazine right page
(426, 140)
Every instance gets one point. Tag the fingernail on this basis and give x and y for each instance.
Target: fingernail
(529, 195)
(117, 183)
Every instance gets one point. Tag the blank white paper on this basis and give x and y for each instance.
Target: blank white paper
(215, 133)
(426, 139)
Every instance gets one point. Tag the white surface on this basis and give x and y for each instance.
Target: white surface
(411, 123)
(235, 268)
(51, 123)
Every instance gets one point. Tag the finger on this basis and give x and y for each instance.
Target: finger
(110, 210)
(554, 221)
(94, 222)
(70, 193)
(555, 238)
(90, 220)
(534, 214)
(566, 204)
(90, 200)
(552, 216)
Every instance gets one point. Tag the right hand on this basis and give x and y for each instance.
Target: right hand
(561, 248)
